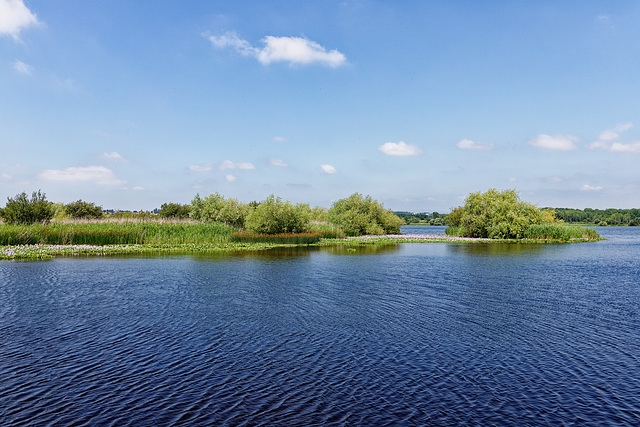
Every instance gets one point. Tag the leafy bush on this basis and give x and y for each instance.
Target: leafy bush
(22, 210)
(174, 210)
(215, 208)
(496, 215)
(273, 216)
(362, 215)
(81, 209)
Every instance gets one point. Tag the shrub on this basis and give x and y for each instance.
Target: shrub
(22, 210)
(174, 210)
(362, 215)
(215, 208)
(496, 215)
(81, 209)
(273, 216)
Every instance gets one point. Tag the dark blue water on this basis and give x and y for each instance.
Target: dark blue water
(411, 334)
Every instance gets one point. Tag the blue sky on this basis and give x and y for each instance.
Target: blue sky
(416, 103)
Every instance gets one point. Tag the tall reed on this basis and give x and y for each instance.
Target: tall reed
(115, 232)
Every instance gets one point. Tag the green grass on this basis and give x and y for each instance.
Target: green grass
(284, 238)
(561, 232)
(115, 233)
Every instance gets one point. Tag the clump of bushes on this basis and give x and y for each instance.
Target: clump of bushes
(273, 216)
(24, 210)
(358, 215)
(215, 208)
(496, 215)
(83, 210)
(174, 210)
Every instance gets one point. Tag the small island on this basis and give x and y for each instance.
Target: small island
(34, 228)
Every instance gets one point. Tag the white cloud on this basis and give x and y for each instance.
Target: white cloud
(201, 168)
(278, 163)
(555, 142)
(230, 178)
(587, 187)
(97, 174)
(6, 176)
(328, 169)
(21, 67)
(14, 17)
(467, 144)
(399, 149)
(292, 50)
(512, 179)
(279, 138)
(632, 147)
(606, 140)
(228, 164)
(138, 188)
(111, 156)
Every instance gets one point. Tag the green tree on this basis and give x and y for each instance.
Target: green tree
(22, 210)
(360, 214)
(497, 215)
(81, 209)
(215, 208)
(174, 210)
(273, 216)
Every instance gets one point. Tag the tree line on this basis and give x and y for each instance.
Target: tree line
(599, 216)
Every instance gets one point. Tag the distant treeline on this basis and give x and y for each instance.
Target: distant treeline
(599, 216)
(433, 218)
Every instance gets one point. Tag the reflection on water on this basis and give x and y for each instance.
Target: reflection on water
(497, 249)
(415, 334)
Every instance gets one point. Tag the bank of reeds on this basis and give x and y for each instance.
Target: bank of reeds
(114, 233)
(284, 238)
(560, 232)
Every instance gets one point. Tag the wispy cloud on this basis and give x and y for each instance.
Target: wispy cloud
(230, 178)
(201, 168)
(292, 50)
(228, 164)
(97, 174)
(328, 169)
(467, 144)
(111, 156)
(555, 142)
(278, 163)
(279, 138)
(21, 67)
(399, 149)
(587, 187)
(607, 140)
(14, 17)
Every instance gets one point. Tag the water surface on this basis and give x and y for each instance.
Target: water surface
(407, 334)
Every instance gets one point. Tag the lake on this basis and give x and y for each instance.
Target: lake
(408, 334)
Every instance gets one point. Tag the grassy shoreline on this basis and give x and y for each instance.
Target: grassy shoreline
(98, 238)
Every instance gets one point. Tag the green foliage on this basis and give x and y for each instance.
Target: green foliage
(283, 238)
(85, 210)
(114, 232)
(496, 215)
(560, 232)
(599, 216)
(174, 210)
(360, 215)
(215, 208)
(273, 216)
(22, 210)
